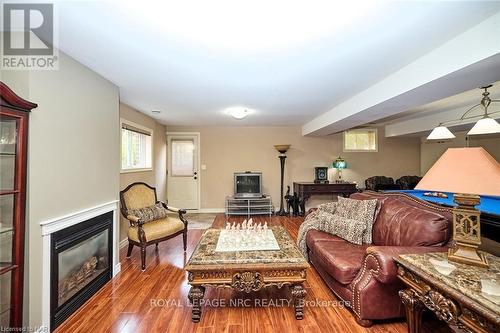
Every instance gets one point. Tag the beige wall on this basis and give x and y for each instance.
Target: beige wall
(431, 151)
(225, 150)
(73, 152)
(156, 177)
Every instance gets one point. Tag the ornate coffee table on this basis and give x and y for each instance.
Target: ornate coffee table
(246, 271)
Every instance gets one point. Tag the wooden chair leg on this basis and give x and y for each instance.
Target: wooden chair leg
(156, 247)
(143, 258)
(129, 250)
(184, 239)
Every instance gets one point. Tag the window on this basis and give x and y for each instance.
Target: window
(136, 147)
(361, 140)
(182, 157)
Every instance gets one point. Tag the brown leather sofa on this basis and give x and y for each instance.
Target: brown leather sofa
(365, 276)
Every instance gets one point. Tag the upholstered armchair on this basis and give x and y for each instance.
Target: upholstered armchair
(380, 183)
(408, 182)
(147, 231)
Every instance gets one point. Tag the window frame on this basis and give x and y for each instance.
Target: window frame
(346, 150)
(142, 128)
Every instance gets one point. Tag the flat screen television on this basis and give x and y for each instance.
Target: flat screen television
(247, 184)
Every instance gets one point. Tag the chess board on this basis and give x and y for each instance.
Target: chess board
(246, 240)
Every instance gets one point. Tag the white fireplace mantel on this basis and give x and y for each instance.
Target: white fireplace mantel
(56, 224)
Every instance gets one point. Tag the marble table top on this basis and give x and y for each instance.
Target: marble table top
(479, 284)
(205, 253)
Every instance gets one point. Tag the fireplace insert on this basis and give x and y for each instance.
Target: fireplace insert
(81, 260)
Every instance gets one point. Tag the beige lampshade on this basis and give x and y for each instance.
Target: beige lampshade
(463, 170)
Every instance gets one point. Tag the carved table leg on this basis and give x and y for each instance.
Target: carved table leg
(414, 308)
(299, 293)
(195, 296)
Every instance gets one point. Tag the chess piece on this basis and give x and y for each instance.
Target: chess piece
(228, 226)
(244, 224)
(265, 226)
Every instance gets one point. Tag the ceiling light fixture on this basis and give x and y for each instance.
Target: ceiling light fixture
(485, 125)
(238, 112)
(156, 111)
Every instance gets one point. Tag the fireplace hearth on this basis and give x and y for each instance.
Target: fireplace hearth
(81, 263)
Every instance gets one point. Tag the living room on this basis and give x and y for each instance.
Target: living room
(250, 139)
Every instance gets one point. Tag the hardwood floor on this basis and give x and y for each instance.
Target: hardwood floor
(156, 300)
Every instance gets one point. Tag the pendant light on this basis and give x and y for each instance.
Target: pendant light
(485, 125)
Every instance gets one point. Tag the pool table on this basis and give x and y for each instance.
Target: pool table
(489, 208)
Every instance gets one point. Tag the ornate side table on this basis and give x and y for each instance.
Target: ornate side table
(465, 297)
(246, 271)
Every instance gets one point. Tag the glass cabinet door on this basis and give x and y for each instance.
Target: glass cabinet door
(8, 192)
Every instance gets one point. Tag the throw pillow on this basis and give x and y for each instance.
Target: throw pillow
(150, 213)
(350, 230)
(360, 210)
(329, 207)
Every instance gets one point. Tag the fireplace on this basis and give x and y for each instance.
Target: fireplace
(81, 263)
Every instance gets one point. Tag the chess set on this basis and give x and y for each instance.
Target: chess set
(246, 236)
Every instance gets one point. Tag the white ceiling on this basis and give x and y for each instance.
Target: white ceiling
(290, 62)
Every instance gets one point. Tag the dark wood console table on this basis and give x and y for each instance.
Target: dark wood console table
(305, 189)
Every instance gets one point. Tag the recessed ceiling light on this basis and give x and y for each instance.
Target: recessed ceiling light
(238, 112)
(156, 111)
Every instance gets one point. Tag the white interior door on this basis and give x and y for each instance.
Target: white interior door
(183, 174)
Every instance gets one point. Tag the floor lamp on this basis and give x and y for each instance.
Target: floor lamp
(282, 149)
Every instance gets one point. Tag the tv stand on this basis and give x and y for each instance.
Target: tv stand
(249, 206)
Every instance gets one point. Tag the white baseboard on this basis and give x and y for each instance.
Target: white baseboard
(117, 269)
(210, 210)
(123, 243)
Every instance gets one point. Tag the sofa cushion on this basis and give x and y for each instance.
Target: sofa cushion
(341, 259)
(405, 225)
(318, 235)
(406, 221)
(359, 210)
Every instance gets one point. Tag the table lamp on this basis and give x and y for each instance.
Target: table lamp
(468, 173)
(339, 164)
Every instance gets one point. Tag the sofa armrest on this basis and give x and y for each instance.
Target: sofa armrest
(379, 259)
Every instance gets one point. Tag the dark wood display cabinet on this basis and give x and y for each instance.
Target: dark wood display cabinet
(14, 113)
